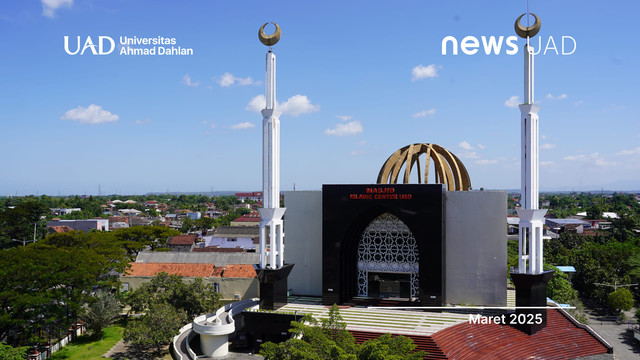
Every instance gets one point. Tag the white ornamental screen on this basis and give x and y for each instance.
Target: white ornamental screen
(387, 245)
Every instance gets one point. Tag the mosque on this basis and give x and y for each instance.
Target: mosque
(419, 245)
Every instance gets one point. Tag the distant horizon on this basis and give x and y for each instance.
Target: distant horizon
(232, 192)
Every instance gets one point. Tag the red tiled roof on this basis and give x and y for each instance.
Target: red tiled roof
(252, 217)
(239, 271)
(153, 269)
(192, 270)
(560, 339)
(183, 240)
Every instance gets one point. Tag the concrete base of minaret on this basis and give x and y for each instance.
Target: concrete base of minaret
(273, 287)
(531, 290)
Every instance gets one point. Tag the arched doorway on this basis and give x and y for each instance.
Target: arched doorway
(388, 260)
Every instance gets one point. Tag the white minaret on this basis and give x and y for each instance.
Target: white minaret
(271, 214)
(531, 218)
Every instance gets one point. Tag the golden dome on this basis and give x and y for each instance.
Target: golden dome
(449, 170)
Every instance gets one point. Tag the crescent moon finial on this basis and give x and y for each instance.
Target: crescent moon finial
(528, 31)
(269, 40)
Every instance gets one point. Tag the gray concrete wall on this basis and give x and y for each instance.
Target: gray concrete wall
(476, 247)
(303, 241)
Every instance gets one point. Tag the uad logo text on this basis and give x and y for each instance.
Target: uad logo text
(96, 48)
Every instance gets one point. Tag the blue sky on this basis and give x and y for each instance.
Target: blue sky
(356, 80)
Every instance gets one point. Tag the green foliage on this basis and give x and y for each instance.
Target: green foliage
(8, 352)
(101, 312)
(18, 222)
(156, 328)
(387, 347)
(194, 298)
(187, 225)
(620, 300)
(559, 288)
(87, 347)
(331, 341)
(135, 239)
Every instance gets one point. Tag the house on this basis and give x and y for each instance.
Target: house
(129, 212)
(118, 222)
(254, 196)
(575, 226)
(231, 281)
(151, 204)
(82, 225)
(64, 211)
(182, 243)
(244, 237)
(194, 215)
(59, 229)
(251, 219)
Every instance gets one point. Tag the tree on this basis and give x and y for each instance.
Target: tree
(137, 238)
(620, 300)
(156, 328)
(559, 288)
(187, 225)
(387, 347)
(18, 223)
(194, 298)
(8, 352)
(101, 312)
(331, 341)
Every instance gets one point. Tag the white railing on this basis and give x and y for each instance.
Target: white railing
(196, 326)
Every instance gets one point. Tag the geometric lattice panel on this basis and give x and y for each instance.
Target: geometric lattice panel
(387, 245)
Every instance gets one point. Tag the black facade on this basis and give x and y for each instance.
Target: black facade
(348, 209)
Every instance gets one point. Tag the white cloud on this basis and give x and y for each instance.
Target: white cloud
(257, 104)
(186, 79)
(547, 163)
(465, 145)
(578, 103)
(547, 146)
(485, 162)
(512, 102)
(595, 159)
(425, 113)
(297, 105)
(49, 7)
(635, 151)
(347, 129)
(543, 136)
(93, 114)
(243, 126)
(481, 147)
(468, 155)
(344, 117)
(142, 122)
(421, 72)
(356, 152)
(559, 97)
(362, 142)
(294, 106)
(227, 79)
(575, 157)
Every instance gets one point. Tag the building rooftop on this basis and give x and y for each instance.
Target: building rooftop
(190, 257)
(183, 240)
(192, 270)
(237, 231)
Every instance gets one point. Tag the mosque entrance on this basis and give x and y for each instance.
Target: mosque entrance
(388, 260)
(389, 285)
